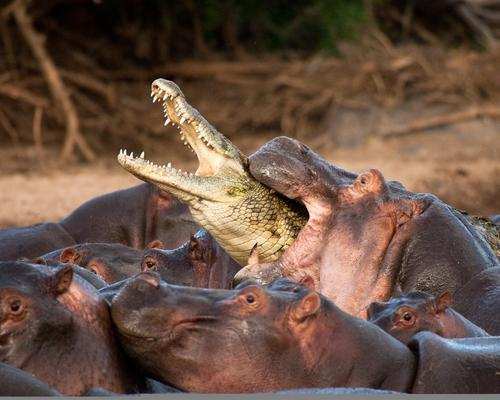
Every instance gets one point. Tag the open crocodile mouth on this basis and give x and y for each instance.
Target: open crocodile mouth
(212, 149)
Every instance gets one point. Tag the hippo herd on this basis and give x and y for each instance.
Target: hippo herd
(382, 291)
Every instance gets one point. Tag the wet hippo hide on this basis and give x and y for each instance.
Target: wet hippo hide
(32, 241)
(470, 365)
(16, 382)
(133, 217)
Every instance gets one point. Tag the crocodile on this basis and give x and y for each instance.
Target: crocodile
(222, 195)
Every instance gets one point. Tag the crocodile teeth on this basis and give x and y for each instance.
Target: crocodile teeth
(183, 119)
(142, 155)
(166, 122)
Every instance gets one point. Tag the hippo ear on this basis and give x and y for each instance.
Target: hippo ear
(308, 282)
(40, 261)
(62, 278)
(253, 258)
(197, 251)
(155, 244)
(70, 255)
(444, 301)
(306, 307)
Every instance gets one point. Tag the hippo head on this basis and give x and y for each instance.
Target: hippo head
(111, 262)
(249, 339)
(29, 308)
(404, 316)
(364, 235)
(200, 262)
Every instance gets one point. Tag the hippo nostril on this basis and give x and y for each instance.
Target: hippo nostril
(152, 279)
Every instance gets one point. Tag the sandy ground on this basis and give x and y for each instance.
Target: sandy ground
(461, 165)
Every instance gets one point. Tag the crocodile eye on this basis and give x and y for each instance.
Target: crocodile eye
(250, 299)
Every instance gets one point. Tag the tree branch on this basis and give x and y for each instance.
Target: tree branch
(61, 96)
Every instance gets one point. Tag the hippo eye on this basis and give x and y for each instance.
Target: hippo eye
(16, 306)
(250, 299)
(407, 318)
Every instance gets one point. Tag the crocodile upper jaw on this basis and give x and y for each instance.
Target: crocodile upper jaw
(219, 160)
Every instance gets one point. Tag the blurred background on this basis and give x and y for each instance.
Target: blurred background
(411, 87)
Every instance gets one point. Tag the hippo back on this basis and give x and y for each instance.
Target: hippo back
(16, 382)
(469, 365)
(32, 241)
(479, 300)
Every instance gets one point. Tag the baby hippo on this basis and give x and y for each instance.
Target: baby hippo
(200, 262)
(111, 262)
(404, 316)
(54, 326)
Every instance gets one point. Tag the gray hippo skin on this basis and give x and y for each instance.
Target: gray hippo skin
(16, 382)
(133, 217)
(32, 241)
(469, 365)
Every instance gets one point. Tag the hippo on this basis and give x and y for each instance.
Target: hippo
(133, 217)
(406, 315)
(200, 262)
(32, 241)
(453, 366)
(16, 382)
(253, 339)
(83, 273)
(54, 325)
(366, 235)
(284, 336)
(112, 262)
(495, 219)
